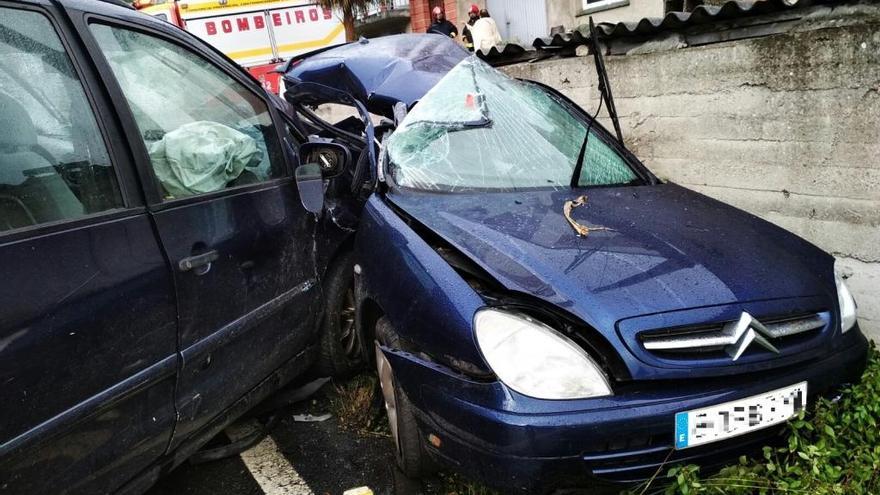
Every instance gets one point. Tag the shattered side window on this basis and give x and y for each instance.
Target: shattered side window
(478, 129)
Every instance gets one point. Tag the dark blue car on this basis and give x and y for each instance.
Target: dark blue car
(160, 273)
(543, 311)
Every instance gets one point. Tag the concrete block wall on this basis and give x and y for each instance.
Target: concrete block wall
(785, 126)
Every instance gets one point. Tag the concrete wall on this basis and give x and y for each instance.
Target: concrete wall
(785, 126)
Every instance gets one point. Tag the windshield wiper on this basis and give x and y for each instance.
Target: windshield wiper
(605, 96)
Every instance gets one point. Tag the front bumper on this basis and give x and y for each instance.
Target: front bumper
(507, 440)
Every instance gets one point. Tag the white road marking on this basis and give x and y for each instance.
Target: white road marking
(270, 469)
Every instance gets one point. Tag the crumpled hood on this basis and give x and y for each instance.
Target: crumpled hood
(669, 249)
(382, 71)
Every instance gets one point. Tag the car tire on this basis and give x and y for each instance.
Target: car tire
(409, 448)
(341, 347)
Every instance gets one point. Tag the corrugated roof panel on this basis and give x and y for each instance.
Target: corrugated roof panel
(671, 21)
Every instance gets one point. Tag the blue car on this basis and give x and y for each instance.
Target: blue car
(543, 312)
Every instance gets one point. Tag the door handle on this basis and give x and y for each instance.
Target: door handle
(198, 261)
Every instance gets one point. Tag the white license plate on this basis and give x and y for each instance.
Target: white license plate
(714, 423)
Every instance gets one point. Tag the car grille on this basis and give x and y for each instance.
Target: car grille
(715, 339)
(634, 465)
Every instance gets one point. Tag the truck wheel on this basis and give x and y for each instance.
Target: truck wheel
(341, 343)
(409, 448)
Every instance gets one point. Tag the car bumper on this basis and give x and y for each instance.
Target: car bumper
(507, 440)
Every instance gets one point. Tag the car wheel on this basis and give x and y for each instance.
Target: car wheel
(341, 343)
(409, 448)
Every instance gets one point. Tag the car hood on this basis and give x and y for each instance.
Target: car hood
(667, 249)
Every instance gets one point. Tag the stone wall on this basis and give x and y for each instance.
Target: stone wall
(785, 126)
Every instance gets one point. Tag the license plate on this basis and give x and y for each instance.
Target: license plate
(714, 423)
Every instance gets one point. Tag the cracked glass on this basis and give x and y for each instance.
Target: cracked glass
(479, 129)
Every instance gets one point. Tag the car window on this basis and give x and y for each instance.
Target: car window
(203, 130)
(479, 129)
(53, 162)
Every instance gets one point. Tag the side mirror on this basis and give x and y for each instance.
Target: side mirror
(311, 187)
(331, 158)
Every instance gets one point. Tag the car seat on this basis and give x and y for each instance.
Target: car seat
(31, 189)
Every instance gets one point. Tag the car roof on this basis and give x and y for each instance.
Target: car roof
(119, 3)
(382, 71)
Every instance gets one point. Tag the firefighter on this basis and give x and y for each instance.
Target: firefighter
(485, 32)
(441, 25)
(473, 15)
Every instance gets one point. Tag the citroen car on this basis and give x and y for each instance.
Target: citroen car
(543, 312)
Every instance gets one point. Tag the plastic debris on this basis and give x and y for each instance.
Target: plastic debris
(310, 418)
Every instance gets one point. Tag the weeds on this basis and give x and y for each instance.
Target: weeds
(833, 450)
(357, 406)
(453, 484)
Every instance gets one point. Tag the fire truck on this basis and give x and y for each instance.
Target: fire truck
(257, 34)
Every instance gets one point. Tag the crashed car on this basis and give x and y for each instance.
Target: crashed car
(543, 312)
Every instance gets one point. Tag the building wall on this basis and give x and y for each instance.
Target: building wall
(569, 13)
(420, 14)
(633, 12)
(784, 126)
(562, 13)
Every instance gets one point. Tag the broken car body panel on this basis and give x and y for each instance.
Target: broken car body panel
(380, 72)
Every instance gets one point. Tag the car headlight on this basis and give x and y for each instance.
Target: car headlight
(536, 360)
(847, 304)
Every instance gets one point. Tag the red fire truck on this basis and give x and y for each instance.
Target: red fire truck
(258, 34)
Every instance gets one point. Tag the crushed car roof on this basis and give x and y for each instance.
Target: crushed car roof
(382, 71)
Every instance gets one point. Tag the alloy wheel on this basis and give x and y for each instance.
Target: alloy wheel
(349, 339)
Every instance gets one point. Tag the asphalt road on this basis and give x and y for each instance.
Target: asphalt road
(299, 458)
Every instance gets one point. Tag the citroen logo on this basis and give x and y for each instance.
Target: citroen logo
(747, 330)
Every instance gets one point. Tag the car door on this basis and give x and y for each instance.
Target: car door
(226, 209)
(88, 317)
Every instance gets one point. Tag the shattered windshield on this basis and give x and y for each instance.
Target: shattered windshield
(479, 129)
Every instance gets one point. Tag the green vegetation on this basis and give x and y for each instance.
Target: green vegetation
(833, 450)
(356, 403)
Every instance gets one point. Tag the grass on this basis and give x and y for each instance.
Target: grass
(357, 405)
